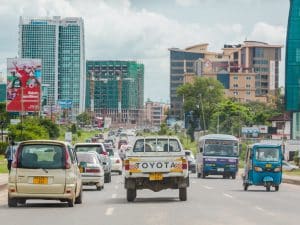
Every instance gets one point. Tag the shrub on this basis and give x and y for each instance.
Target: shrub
(3, 147)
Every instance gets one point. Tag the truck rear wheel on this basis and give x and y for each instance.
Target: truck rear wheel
(182, 194)
(131, 195)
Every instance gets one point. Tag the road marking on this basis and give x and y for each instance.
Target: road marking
(207, 187)
(116, 186)
(227, 195)
(114, 196)
(259, 208)
(193, 182)
(109, 211)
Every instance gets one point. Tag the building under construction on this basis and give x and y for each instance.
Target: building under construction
(115, 89)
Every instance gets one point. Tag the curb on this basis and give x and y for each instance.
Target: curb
(291, 181)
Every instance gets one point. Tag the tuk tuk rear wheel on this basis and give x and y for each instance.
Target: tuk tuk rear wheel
(277, 188)
(268, 187)
(246, 187)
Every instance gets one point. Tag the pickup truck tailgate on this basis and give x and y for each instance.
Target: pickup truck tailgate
(154, 164)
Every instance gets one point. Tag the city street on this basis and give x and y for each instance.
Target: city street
(211, 201)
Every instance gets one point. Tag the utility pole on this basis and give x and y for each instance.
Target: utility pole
(119, 79)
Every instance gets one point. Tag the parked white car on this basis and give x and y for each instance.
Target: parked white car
(288, 166)
(44, 169)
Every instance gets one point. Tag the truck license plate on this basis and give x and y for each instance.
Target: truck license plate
(155, 176)
(220, 169)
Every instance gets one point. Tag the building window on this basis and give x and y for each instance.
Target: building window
(248, 93)
(248, 85)
(248, 78)
(235, 93)
(258, 52)
(235, 77)
(297, 54)
(235, 85)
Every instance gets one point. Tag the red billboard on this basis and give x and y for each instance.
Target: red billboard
(23, 85)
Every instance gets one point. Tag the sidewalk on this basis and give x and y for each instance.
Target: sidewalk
(3, 180)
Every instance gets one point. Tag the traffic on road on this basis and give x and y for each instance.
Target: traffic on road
(145, 180)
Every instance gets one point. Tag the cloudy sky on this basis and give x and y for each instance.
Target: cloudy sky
(143, 30)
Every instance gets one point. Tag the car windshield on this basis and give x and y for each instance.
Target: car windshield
(267, 154)
(87, 158)
(221, 148)
(43, 156)
(89, 148)
(157, 145)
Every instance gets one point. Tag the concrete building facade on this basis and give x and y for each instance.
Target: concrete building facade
(155, 113)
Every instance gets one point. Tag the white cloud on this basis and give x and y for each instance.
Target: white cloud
(186, 3)
(268, 33)
(116, 30)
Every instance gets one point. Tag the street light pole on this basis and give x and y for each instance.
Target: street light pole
(204, 125)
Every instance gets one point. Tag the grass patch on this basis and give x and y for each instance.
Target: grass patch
(292, 173)
(3, 164)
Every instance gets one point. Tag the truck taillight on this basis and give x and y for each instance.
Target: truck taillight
(184, 164)
(118, 161)
(126, 164)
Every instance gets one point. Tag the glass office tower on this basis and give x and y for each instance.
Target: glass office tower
(59, 43)
(292, 69)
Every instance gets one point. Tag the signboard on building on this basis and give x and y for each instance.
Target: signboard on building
(65, 104)
(250, 130)
(263, 129)
(23, 85)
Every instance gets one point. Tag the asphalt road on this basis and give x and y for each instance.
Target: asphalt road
(211, 201)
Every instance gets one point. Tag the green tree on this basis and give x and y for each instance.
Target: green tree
(52, 128)
(29, 129)
(230, 117)
(202, 98)
(73, 129)
(84, 118)
(261, 112)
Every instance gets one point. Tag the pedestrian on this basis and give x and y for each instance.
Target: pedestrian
(10, 154)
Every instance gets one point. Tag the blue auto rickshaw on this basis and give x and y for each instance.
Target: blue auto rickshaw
(263, 166)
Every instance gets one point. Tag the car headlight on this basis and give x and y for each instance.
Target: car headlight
(258, 169)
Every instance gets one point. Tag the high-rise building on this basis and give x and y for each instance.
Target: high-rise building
(260, 58)
(112, 82)
(2, 92)
(292, 67)
(59, 43)
(181, 62)
(248, 71)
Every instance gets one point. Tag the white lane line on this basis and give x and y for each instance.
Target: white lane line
(259, 208)
(193, 182)
(109, 211)
(208, 187)
(227, 195)
(114, 196)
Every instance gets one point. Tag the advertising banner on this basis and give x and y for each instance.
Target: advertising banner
(23, 85)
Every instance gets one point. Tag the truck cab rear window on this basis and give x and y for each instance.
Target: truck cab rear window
(89, 148)
(41, 157)
(156, 145)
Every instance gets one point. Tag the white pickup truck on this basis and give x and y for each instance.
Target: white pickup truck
(156, 163)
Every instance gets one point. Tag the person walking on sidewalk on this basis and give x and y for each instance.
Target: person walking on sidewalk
(10, 154)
